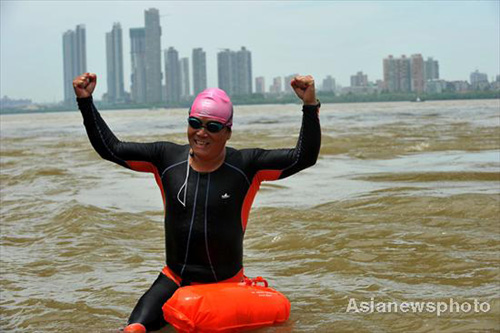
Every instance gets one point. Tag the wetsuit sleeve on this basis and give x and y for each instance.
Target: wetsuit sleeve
(281, 163)
(136, 156)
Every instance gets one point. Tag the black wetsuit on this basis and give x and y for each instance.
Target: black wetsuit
(205, 213)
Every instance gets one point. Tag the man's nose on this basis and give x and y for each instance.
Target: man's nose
(202, 132)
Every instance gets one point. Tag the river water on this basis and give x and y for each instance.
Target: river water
(402, 206)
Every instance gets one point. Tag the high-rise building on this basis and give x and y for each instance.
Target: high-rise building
(496, 83)
(225, 71)
(404, 74)
(199, 71)
(397, 74)
(234, 71)
(173, 75)
(244, 72)
(287, 84)
(185, 86)
(417, 73)
(431, 69)
(276, 87)
(260, 85)
(390, 74)
(138, 59)
(359, 80)
(407, 74)
(114, 63)
(328, 84)
(478, 81)
(74, 60)
(153, 55)
(476, 77)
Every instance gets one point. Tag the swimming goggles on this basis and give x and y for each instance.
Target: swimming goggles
(211, 126)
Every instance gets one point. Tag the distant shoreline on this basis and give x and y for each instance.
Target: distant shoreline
(259, 99)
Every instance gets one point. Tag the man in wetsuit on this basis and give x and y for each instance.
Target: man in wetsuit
(207, 188)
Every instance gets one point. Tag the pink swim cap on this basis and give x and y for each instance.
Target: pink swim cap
(215, 104)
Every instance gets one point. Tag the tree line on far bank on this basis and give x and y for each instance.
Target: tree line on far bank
(254, 99)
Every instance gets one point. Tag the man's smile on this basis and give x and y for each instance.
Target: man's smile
(201, 143)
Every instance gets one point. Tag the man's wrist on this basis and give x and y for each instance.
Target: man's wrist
(83, 97)
(84, 100)
(316, 103)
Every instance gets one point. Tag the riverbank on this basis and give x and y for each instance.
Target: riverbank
(261, 99)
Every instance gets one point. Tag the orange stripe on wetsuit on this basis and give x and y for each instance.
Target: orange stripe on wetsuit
(239, 277)
(252, 192)
(149, 167)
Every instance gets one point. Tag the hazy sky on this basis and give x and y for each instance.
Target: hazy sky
(321, 38)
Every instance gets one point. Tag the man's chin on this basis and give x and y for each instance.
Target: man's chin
(201, 153)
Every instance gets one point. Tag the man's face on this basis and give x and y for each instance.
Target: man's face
(205, 144)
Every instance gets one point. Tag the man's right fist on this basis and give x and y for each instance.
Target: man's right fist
(84, 85)
(304, 89)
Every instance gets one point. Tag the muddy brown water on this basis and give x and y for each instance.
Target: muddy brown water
(402, 206)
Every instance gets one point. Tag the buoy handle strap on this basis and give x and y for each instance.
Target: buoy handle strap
(255, 281)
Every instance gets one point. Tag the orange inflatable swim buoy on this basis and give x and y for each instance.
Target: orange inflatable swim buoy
(226, 307)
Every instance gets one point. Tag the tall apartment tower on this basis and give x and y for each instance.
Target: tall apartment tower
(478, 80)
(199, 71)
(397, 74)
(403, 74)
(234, 71)
(431, 69)
(244, 72)
(275, 88)
(417, 73)
(153, 55)
(260, 85)
(225, 71)
(173, 75)
(74, 60)
(359, 80)
(138, 58)
(328, 84)
(114, 64)
(390, 73)
(185, 82)
(477, 76)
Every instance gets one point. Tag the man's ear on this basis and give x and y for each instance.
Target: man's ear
(229, 134)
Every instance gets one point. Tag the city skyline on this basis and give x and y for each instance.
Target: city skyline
(329, 38)
(235, 72)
